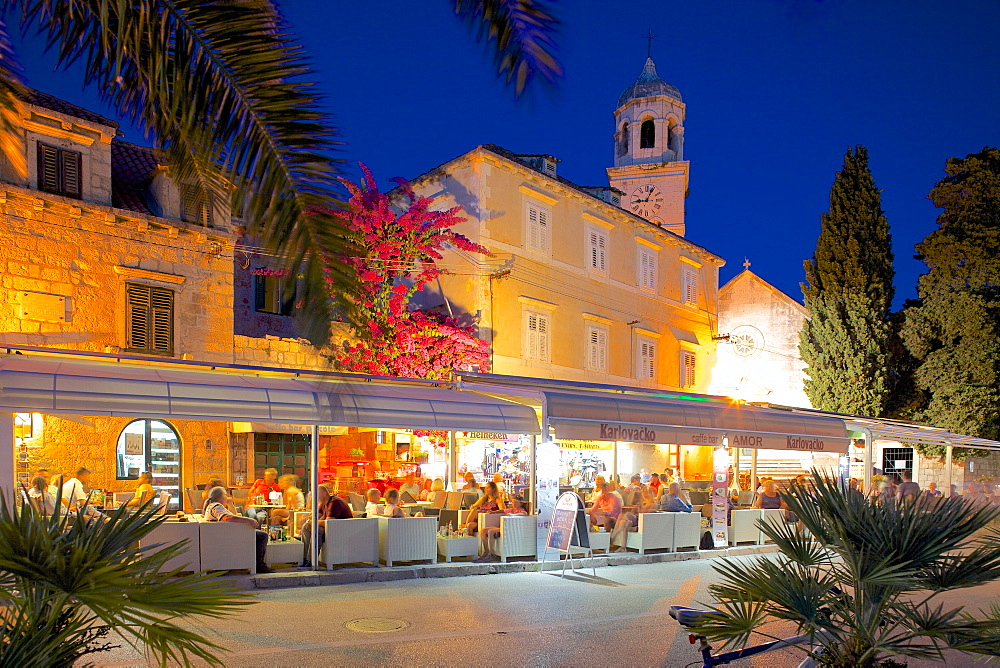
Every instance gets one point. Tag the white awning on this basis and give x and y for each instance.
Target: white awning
(898, 430)
(58, 385)
(604, 416)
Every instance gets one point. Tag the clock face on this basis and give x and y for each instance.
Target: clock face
(646, 200)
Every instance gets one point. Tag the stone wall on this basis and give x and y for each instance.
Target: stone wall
(65, 263)
(63, 444)
(933, 470)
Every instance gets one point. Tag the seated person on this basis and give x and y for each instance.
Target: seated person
(75, 497)
(371, 507)
(598, 488)
(392, 508)
(331, 507)
(44, 501)
(672, 502)
(292, 497)
(768, 498)
(410, 486)
(471, 485)
(216, 511)
(490, 502)
(932, 491)
(214, 482)
(143, 490)
(489, 536)
(606, 509)
(425, 491)
(630, 521)
(635, 485)
(262, 486)
(437, 487)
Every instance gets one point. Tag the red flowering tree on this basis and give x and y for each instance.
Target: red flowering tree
(398, 258)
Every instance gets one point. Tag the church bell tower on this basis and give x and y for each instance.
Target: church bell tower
(649, 150)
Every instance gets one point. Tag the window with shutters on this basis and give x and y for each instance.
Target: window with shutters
(268, 295)
(597, 250)
(196, 206)
(647, 270)
(538, 228)
(537, 328)
(59, 171)
(688, 369)
(597, 349)
(690, 287)
(646, 367)
(149, 319)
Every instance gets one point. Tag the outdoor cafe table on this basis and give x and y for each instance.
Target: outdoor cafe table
(457, 546)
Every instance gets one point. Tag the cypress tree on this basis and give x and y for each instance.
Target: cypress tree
(848, 295)
(954, 331)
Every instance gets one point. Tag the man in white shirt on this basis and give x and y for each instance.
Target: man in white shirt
(74, 494)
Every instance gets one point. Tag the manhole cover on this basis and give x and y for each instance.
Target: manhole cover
(376, 625)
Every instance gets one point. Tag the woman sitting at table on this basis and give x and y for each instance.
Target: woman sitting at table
(292, 497)
(392, 508)
(437, 487)
(42, 498)
(768, 499)
(214, 482)
(471, 485)
(490, 502)
(489, 536)
(143, 490)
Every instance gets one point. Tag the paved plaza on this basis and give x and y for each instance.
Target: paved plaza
(619, 618)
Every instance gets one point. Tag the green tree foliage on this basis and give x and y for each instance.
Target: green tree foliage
(865, 590)
(954, 330)
(71, 587)
(848, 294)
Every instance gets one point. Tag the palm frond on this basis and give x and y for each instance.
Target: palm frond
(11, 107)
(223, 89)
(521, 34)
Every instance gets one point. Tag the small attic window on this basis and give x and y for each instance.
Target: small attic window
(647, 134)
(549, 166)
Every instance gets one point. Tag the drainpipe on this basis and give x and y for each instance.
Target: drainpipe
(753, 470)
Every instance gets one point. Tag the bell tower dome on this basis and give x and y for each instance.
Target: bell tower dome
(649, 164)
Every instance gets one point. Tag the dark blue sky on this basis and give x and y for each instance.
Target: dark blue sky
(776, 90)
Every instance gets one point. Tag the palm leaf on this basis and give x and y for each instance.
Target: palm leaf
(11, 107)
(223, 89)
(521, 34)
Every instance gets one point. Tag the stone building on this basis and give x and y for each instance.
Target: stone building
(103, 253)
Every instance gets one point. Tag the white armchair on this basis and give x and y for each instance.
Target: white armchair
(407, 539)
(227, 546)
(518, 534)
(655, 532)
(687, 531)
(743, 527)
(352, 541)
(171, 533)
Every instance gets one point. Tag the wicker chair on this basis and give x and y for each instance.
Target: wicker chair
(352, 541)
(655, 532)
(407, 539)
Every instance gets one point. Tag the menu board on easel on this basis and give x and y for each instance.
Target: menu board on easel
(569, 524)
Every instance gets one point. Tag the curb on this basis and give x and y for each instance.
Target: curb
(349, 575)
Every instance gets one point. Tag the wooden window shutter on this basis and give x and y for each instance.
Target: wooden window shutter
(48, 168)
(690, 286)
(137, 316)
(162, 319)
(533, 241)
(543, 338)
(688, 369)
(647, 360)
(71, 177)
(602, 350)
(196, 206)
(149, 318)
(543, 231)
(259, 292)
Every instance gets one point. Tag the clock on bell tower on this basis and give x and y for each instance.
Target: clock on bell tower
(649, 150)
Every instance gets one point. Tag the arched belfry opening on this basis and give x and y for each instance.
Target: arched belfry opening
(623, 144)
(647, 134)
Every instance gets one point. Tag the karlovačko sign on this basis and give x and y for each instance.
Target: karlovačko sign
(638, 433)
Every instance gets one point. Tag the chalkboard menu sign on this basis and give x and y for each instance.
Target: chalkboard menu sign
(569, 524)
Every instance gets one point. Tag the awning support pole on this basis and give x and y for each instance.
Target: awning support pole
(314, 487)
(947, 468)
(736, 467)
(454, 483)
(753, 470)
(7, 455)
(614, 461)
(869, 457)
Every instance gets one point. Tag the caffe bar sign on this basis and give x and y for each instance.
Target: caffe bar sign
(640, 433)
